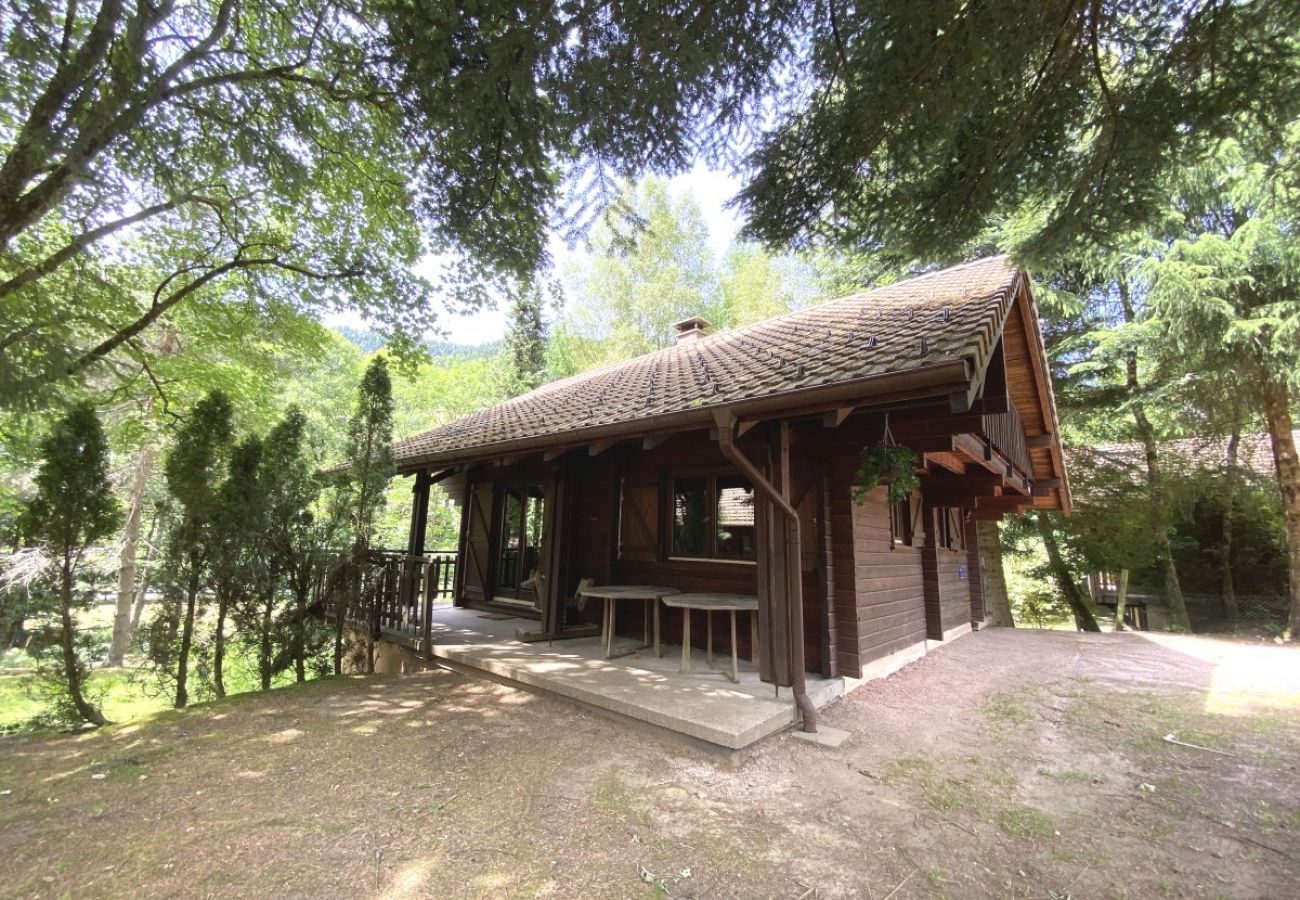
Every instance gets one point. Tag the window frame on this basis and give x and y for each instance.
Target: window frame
(951, 535)
(711, 476)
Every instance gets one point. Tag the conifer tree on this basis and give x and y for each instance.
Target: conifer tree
(370, 467)
(1227, 287)
(238, 533)
(525, 341)
(193, 470)
(294, 535)
(74, 508)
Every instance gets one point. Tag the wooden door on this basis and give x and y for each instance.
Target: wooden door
(478, 541)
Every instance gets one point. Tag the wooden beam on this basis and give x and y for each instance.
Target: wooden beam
(1039, 441)
(835, 418)
(934, 444)
(555, 453)
(1005, 504)
(508, 460)
(598, 447)
(650, 441)
(743, 428)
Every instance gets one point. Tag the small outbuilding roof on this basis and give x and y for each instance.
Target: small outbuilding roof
(934, 332)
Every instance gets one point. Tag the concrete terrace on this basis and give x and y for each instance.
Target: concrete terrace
(703, 704)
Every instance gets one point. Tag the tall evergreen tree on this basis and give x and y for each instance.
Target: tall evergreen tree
(1227, 287)
(294, 534)
(238, 533)
(921, 124)
(370, 468)
(525, 341)
(193, 470)
(74, 507)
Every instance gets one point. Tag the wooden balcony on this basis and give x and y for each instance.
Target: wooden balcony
(1006, 435)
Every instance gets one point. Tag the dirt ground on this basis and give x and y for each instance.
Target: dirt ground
(1009, 764)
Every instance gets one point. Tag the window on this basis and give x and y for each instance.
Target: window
(690, 521)
(735, 518)
(950, 530)
(713, 518)
(900, 523)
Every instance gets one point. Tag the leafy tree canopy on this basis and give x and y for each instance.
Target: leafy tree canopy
(926, 123)
(304, 155)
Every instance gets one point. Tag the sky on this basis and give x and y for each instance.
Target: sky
(711, 189)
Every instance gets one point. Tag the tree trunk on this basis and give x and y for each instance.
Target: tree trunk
(997, 605)
(300, 587)
(1230, 608)
(265, 650)
(1083, 617)
(1278, 412)
(187, 639)
(141, 592)
(219, 648)
(1121, 599)
(1178, 620)
(71, 666)
(126, 570)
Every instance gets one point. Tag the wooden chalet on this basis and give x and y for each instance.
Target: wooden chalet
(726, 463)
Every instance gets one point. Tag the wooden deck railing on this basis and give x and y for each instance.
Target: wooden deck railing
(1006, 434)
(404, 589)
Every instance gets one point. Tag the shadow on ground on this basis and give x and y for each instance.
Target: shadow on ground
(1008, 764)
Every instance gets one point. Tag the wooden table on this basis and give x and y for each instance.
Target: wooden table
(711, 603)
(648, 594)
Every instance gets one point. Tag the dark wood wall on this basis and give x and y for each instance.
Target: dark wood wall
(879, 586)
(947, 583)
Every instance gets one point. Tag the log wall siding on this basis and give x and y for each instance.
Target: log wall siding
(947, 594)
(878, 586)
(975, 580)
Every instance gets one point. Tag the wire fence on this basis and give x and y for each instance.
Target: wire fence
(1263, 615)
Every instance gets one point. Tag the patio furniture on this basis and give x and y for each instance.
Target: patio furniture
(711, 603)
(649, 595)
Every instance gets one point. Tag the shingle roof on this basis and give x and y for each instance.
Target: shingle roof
(946, 316)
(1181, 457)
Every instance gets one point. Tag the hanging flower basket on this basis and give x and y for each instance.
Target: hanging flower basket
(888, 464)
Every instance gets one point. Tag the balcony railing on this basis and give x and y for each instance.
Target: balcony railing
(404, 589)
(1006, 434)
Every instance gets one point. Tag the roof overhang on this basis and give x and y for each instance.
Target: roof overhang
(937, 380)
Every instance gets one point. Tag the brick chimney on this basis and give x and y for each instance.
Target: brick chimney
(691, 329)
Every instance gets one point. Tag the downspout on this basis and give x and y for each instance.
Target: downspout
(794, 588)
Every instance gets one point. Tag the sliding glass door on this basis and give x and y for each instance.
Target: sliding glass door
(519, 544)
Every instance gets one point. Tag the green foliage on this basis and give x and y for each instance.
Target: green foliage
(650, 266)
(73, 509)
(525, 341)
(74, 506)
(303, 156)
(370, 452)
(888, 463)
(1227, 286)
(193, 470)
(927, 123)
